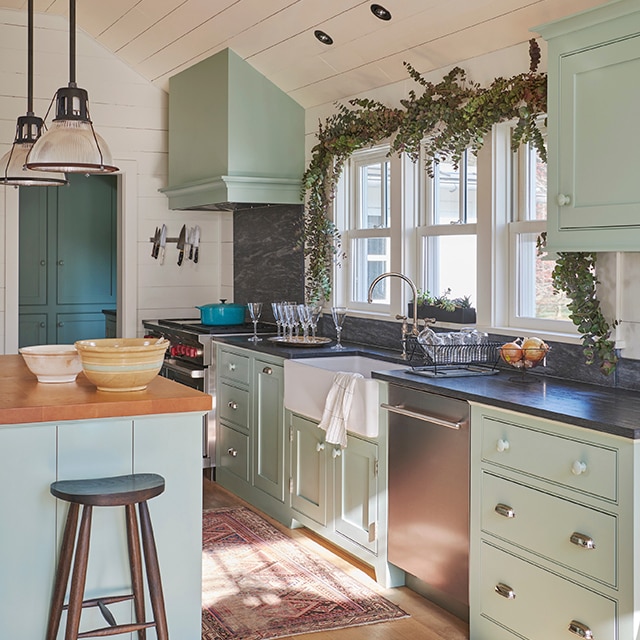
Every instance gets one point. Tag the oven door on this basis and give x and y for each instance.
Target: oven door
(191, 376)
(194, 377)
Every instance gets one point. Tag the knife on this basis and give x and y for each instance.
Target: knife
(191, 236)
(181, 239)
(196, 243)
(156, 243)
(163, 242)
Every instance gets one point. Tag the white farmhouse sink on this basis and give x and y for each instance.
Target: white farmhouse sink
(307, 383)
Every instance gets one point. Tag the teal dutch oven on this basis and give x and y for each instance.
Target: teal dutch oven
(222, 313)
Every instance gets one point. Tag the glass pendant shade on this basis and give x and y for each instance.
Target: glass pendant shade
(12, 164)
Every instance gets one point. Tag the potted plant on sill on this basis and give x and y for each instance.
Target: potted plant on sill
(444, 308)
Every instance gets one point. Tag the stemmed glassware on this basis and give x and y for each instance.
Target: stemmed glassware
(316, 310)
(304, 316)
(338, 314)
(255, 309)
(275, 306)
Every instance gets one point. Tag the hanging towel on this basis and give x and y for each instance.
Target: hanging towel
(337, 407)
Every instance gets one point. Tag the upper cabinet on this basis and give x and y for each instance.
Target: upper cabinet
(594, 129)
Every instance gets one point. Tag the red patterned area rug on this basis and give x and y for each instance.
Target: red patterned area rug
(259, 584)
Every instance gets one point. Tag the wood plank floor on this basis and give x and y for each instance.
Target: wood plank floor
(427, 621)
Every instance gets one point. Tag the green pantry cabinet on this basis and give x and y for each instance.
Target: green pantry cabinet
(279, 462)
(67, 264)
(34, 455)
(555, 550)
(593, 132)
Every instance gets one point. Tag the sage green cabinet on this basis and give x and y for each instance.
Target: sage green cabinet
(554, 538)
(309, 475)
(250, 451)
(593, 132)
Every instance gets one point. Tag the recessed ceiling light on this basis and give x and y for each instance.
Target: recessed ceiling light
(380, 12)
(325, 38)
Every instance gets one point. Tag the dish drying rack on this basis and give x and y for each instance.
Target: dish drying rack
(453, 360)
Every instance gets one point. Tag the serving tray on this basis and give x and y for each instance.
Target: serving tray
(300, 341)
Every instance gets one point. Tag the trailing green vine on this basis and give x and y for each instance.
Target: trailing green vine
(575, 274)
(452, 115)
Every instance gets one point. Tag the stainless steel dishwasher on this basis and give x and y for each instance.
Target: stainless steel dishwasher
(429, 493)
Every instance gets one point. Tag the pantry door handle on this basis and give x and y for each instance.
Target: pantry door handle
(581, 630)
(581, 540)
(505, 591)
(400, 410)
(505, 510)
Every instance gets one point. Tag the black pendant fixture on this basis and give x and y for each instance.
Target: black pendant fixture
(71, 144)
(28, 130)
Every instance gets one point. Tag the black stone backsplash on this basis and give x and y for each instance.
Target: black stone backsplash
(565, 361)
(268, 260)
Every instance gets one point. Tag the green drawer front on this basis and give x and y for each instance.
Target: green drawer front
(233, 366)
(578, 465)
(544, 524)
(545, 604)
(233, 452)
(233, 405)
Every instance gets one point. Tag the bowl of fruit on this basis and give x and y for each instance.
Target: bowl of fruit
(524, 353)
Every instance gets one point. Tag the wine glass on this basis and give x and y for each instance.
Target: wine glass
(275, 306)
(338, 314)
(255, 309)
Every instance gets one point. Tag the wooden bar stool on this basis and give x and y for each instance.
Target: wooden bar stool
(119, 491)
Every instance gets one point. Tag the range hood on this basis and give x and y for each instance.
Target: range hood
(235, 139)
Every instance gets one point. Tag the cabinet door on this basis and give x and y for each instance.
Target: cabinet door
(268, 428)
(172, 446)
(32, 328)
(308, 469)
(28, 529)
(593, 200)
(356, 492)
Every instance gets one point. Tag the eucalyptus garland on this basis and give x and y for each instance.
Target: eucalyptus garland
(452, 115)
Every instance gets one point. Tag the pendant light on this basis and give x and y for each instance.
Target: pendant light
(71, 144)
(28, 130)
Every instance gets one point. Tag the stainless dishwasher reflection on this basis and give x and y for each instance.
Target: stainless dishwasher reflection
(429, 493)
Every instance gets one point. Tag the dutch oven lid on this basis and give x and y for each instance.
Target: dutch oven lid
(221, 305)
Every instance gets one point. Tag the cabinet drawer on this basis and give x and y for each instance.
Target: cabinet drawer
(582, 466)
(233, 366)
(544, 604)
(233, 405)
(233, 452)
(545, 524)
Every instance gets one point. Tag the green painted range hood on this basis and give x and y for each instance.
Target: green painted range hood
(235, 139)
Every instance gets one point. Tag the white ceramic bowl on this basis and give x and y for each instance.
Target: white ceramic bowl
(122, 364)
(52, 363)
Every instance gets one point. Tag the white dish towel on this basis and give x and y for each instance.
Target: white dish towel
(337, 407)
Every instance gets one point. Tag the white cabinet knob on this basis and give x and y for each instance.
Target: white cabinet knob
(502, 445)
(563, 200)
(578, 468)
(232, 366)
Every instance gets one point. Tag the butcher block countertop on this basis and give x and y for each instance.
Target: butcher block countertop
(24, 400)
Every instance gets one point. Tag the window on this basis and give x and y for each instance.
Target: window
(533, 302)
(367, 227)
(447, 234)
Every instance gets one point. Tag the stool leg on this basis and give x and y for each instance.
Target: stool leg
(135, 562)
(62, 572)
(79, 575)
(153, 572)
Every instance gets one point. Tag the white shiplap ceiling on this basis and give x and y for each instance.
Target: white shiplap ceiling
(158, 38)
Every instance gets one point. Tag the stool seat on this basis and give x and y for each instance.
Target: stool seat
(129, 491)
(116, 491)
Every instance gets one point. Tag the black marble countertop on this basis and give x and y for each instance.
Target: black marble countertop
(612, 411)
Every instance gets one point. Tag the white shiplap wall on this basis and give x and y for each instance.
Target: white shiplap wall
(131, 114)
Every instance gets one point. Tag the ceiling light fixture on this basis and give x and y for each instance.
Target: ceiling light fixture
(380, 12)
(28, 130)
(71, 144)
(325, 38)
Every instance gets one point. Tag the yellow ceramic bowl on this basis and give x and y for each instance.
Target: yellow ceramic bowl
(52, 362)
(121, 364)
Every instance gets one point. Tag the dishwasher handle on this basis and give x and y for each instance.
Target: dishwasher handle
(399, 409)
